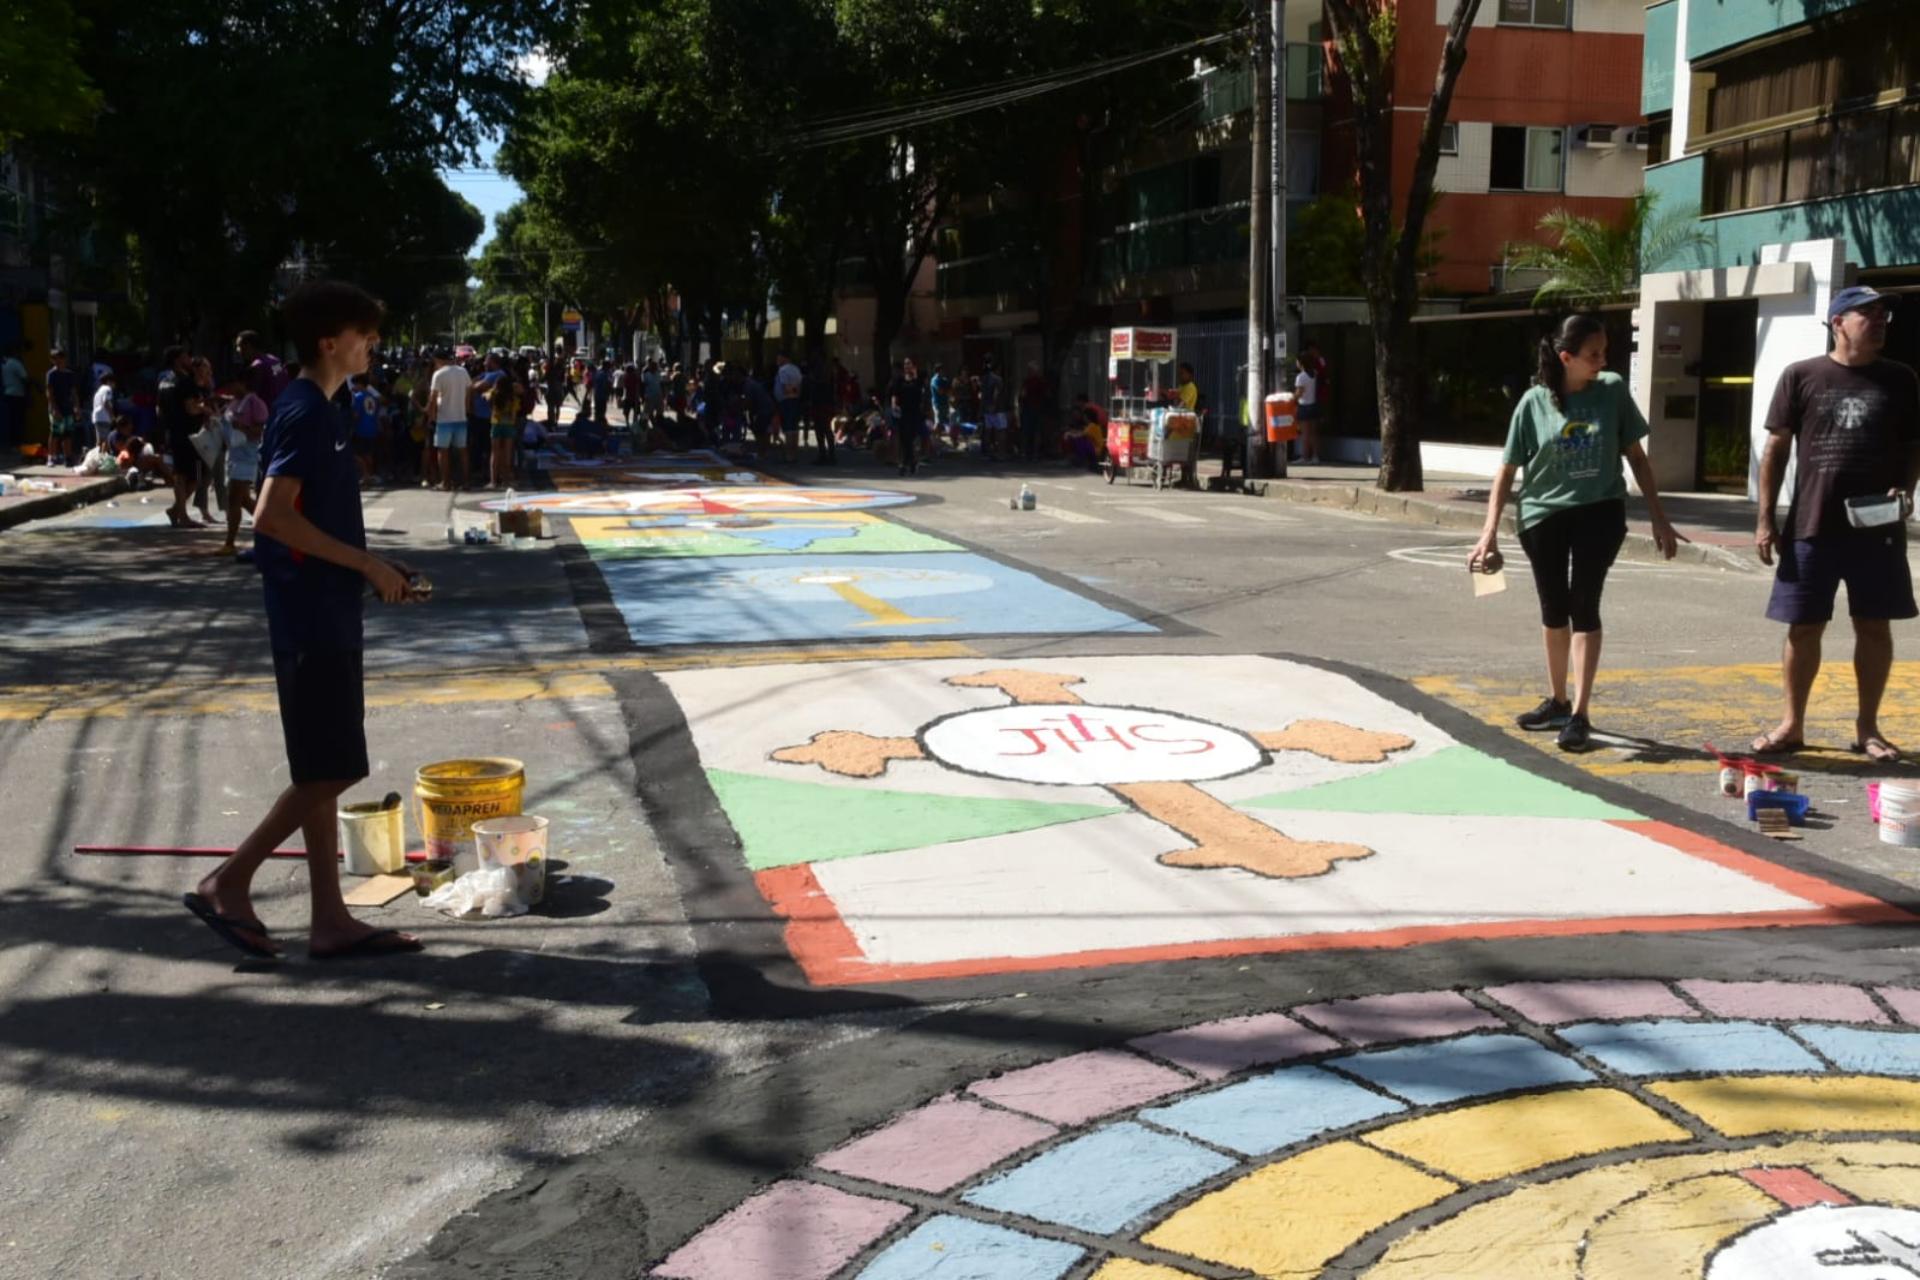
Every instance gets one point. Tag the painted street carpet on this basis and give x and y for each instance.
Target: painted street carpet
(959, 818)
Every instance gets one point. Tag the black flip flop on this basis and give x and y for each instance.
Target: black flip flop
(228, 928)
(1893, 756)
(1772, 746)
(381, 942)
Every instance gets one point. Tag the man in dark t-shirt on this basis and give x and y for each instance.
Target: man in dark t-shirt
(311, 547)
(908, 396)
(1851, 421)
(182, 408)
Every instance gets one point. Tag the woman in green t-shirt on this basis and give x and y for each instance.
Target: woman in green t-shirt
(1567, 437)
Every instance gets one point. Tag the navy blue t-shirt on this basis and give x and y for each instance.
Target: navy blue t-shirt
(312, 604)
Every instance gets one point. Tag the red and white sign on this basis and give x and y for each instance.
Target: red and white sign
(1141, 344)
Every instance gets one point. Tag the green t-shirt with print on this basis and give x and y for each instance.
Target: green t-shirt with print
(1572, 459)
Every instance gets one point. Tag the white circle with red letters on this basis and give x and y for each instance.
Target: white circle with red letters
(1078, 745)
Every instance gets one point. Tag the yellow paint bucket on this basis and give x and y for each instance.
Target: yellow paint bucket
(455, 794)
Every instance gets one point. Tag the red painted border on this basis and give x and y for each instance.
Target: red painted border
(830, 956)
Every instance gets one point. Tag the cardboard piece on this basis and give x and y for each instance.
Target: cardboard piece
(1489, 584)
(378, 891)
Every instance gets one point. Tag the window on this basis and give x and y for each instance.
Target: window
(1535, 13)
(1526, 159)
(1850, 153)
(1449, 139)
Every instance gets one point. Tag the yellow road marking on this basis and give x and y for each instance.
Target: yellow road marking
(573, 678)
(1744, 1106)
(1293, 1217)
(1128, 1269)
(1499, 1139)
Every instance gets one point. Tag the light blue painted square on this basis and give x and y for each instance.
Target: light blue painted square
(1449, 1070)
(1103, 1181)
(1675, 1046)
(948, 1248)
(733, 599)
(1276, 1110)
(1873, 1053)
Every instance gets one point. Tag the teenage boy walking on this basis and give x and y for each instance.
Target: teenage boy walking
(310, 545)
(1855, 419)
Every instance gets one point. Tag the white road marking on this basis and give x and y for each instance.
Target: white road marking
(1070, 517)
(1253, 513)
(375, 518)
(1453, 556)
(1170, 517)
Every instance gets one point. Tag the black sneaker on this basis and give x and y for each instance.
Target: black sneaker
(1577, 735)
(1548, 715)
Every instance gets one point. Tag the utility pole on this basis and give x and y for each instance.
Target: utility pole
(1277, 214)
(1259, 253)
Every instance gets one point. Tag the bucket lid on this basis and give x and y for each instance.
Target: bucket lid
(480, 769)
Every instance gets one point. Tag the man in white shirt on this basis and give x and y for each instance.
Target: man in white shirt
(13, 397)
(447, 411)
(1306, 397)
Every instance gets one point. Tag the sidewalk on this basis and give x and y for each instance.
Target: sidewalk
(74, 491)
(1719, 526)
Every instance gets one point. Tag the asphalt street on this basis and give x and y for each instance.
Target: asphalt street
(580, 1091)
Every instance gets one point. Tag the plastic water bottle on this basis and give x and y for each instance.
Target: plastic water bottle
(510, 496)
(1027, 500)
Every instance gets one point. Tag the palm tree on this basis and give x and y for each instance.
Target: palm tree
(1591, 262)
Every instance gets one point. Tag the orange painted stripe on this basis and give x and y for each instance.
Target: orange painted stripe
(1796, 1188)
(829, 954)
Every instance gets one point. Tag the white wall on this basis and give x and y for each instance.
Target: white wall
(1621, 17)
(1471, 170)
(1791, 327)
(1619, 171)
(1682, 86)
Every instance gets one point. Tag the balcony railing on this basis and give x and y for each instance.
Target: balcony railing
(1196, 238)
(1227, 91)
(1841, 155)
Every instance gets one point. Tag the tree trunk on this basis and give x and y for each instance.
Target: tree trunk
(1397, 393)
(756, 340)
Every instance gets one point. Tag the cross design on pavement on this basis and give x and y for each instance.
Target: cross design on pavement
(1220, 835)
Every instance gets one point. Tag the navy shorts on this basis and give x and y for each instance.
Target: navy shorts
(322, 714)
(1872, 564)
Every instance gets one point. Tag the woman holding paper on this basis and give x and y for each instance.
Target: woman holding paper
(1568, 435)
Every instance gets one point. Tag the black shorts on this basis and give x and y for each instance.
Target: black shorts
(186, 459)
(1872, 562)
(322, 714)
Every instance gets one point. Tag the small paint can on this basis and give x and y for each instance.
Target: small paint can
(1787, 782)
(1731, 780)
(1756, 782)
(430, 875)
(1900, 814)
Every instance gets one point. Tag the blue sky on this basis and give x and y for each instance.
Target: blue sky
(492, 192)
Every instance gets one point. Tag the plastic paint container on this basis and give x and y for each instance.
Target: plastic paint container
(455, 794)
(1900, 814)
(373, 838)
(1731, 780)
(520, 845)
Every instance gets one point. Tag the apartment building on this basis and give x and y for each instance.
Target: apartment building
(1793, 127)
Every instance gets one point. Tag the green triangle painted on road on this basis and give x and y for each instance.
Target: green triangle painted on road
(1452, 781)
(782, 822)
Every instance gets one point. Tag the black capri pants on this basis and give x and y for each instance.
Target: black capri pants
(1571, 551)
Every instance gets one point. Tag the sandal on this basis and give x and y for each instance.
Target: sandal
(1768, 745)
(381, 942)
(1887, 753)
(228, 928)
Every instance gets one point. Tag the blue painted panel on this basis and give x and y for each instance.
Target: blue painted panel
(1274, 1111)
(723, 599)
(1882, 229)
(1669, 1047)
(1657, 55)
(1469, 1067)
(1875, 1053)
(1720, 24)
(948, 1248)
(1103, 1181)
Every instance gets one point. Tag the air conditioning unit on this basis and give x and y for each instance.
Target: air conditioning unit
(1639, 138)
(1597, 137)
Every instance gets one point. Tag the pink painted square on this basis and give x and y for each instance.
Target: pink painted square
(790, 1231)
(1815, 1001)
(1905, 1002)
(937, 1147)
(1216, 1049)
(1076, 1089)
(1412, 1015)
(1554, 1003)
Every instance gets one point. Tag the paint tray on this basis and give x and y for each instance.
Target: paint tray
(1796, 805)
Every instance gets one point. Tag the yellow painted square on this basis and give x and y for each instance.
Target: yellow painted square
(1128, 1269)
(1296, 1215)
(1496, 1139)
(1743, 1106)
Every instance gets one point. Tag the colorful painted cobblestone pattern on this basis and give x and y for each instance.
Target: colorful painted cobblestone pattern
(1607, 1130)
(954, 819)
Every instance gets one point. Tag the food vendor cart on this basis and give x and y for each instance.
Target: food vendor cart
(1147, 429)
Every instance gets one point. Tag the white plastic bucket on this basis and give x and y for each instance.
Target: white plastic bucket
(1900, 814)
(518, 843)
(373, 838)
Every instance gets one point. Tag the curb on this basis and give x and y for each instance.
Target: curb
(1415, 508)
(38, 506)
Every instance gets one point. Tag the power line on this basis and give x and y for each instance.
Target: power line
(875, 122)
